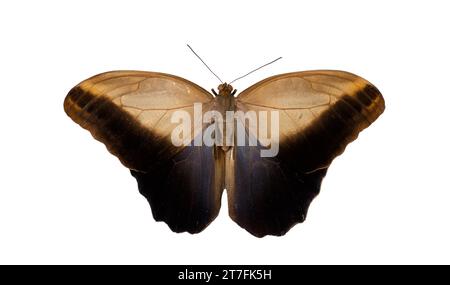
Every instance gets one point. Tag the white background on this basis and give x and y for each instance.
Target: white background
(65, 199)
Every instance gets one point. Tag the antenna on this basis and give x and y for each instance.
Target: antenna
(204, 63)
(256, 69)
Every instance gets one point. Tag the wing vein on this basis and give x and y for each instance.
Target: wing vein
(293, 108)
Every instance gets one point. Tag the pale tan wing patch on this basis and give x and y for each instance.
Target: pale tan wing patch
(150, 97)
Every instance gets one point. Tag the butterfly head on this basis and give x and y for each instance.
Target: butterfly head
(225, 90)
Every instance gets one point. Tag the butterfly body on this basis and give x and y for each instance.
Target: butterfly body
(224, 102)
(315, 115)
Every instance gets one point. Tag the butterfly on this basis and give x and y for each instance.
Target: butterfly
(319, 113)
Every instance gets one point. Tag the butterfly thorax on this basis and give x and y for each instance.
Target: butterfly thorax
(224, 101)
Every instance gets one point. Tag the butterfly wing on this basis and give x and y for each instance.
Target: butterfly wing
(320, 112)
(130, 112)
